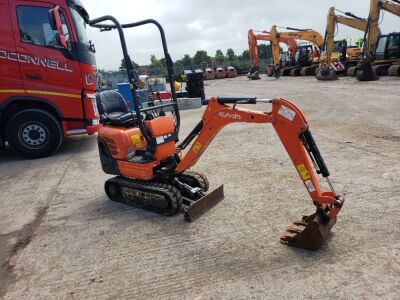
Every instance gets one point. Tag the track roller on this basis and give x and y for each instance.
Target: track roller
(195, 179)
(394, 70)
(308, 71)
(295, 72)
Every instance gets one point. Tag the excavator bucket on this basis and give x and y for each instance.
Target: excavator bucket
(325, 74)
(253, 73)
(199, 207)
(309, 233)
(365, 72)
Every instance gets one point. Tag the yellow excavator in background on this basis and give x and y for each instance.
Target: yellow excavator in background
(252, 37)
(330, 63)
(306, 58)
(381, 53)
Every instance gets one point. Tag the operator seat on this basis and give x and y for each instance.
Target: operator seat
(114, 110)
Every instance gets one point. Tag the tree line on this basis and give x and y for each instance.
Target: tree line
(200, 59)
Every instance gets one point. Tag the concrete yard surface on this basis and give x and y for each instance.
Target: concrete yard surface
(61, 238)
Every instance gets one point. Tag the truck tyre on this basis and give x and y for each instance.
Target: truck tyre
(34, 133)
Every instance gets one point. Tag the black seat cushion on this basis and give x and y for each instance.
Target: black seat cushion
(113, 109)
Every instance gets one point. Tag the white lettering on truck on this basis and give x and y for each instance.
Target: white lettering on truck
(34, 60)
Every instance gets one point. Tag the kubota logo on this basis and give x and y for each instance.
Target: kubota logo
(226, 115)
(37, 61)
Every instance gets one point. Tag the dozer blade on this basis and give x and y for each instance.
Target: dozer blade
(309, 233)
(196, 209)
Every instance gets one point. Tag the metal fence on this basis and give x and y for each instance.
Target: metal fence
(112, 78)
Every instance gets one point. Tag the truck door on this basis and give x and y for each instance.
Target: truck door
(10, 76)
(47, 69)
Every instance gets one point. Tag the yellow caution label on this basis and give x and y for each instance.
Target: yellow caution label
(136, 140)
(196, 147)
(304, 174)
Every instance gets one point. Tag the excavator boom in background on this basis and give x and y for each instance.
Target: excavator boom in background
(327, 68)
(381, 52)
(308, 56)
(254, 36)
(152, 170)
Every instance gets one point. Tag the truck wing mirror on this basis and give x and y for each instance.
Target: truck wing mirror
(55, 23)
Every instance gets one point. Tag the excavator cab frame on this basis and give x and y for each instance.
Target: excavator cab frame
(133, 78)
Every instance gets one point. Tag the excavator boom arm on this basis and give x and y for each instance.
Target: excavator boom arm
(252, 39)
(393, 8)
(375, 8)
(332, 21)
(292, 129)
(308, 35)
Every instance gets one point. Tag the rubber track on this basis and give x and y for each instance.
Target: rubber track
(161, 188)
(394, 70)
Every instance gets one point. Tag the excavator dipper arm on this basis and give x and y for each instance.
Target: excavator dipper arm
(293, 131)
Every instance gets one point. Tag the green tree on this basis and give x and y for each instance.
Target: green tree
(230, 54)
(244, 56)
(187, 60)
(219, 56)
(264, 51)
(200, 56)
(122, 66)
(155, 63)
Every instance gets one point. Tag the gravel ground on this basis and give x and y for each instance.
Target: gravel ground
(61, 238)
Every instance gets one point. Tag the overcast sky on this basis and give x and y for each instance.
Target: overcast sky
(192, 25)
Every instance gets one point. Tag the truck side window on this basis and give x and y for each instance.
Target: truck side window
(34, 26)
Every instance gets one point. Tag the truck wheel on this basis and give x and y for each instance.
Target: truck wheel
(34, 133)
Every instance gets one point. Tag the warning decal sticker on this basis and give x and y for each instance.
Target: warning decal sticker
(196, 147)
(310, 186)
(304, 174)
(286, 112)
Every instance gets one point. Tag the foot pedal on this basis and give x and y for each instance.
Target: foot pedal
(198, 208)
(309, 233)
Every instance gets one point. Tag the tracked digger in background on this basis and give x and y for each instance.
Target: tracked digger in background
(140, 147)
(306, 59)
(327, 68)
(252, 37)
(381, 53)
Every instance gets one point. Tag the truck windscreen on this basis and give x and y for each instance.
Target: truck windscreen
(80, 25)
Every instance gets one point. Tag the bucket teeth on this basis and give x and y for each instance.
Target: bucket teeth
(309, 233)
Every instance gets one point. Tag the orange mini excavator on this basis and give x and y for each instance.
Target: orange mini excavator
(152, 170)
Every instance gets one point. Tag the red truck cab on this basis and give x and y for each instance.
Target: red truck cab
(47, 82)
